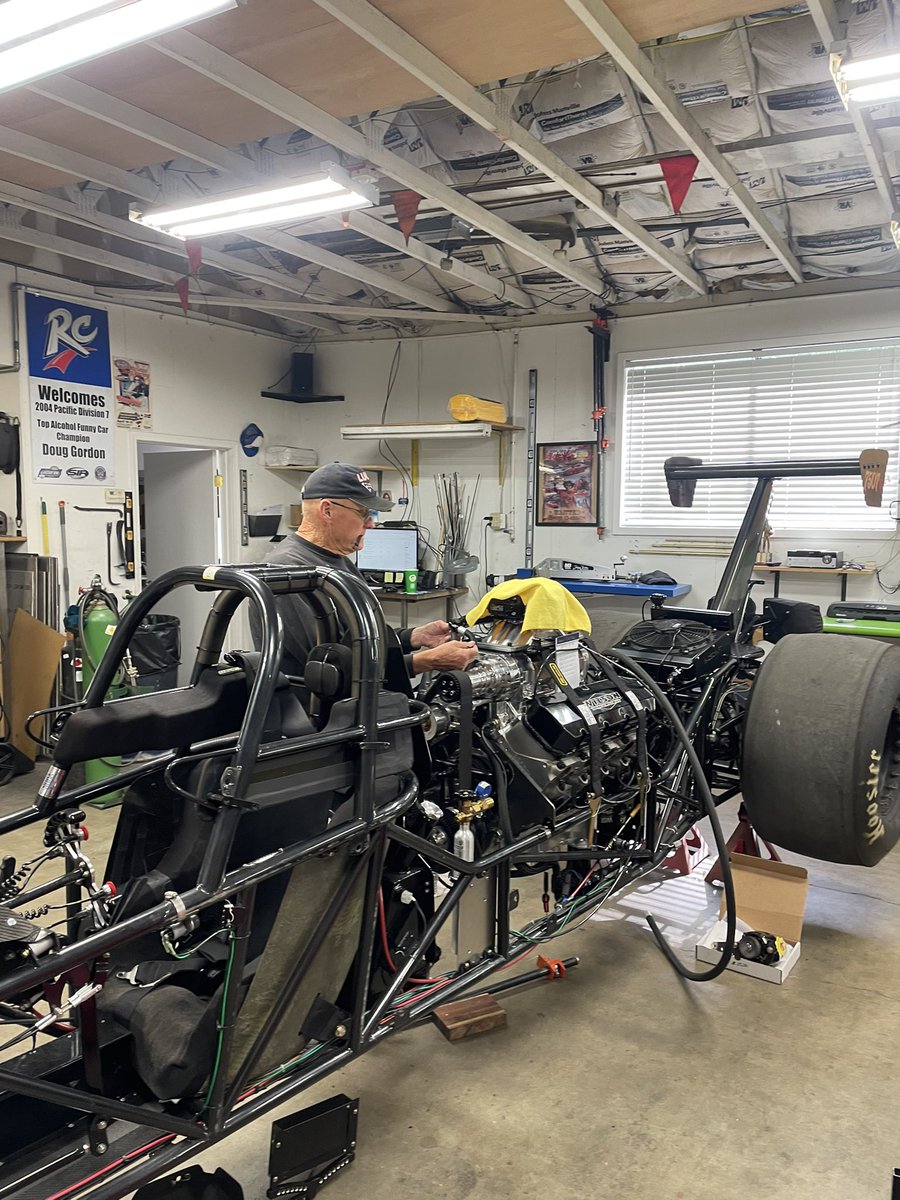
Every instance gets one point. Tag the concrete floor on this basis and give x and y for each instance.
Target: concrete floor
(623, 1081)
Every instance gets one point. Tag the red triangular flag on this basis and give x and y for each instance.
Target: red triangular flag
(678, 174)
(406, 205)
(194, 253)
(182, 287)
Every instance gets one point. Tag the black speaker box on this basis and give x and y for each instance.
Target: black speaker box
(301, 374)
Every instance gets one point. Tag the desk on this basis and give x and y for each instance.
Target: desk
(406, 598)
(778, 571)
(621, 587)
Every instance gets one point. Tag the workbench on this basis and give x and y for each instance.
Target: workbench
(777, 570)
(621, 587)
(404, 599)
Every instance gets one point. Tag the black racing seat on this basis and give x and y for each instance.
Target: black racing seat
(210, 708)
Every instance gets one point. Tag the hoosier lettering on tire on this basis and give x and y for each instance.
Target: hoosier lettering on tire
(821, 769)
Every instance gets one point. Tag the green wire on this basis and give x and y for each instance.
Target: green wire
(218, 1059)
(589, 895)
(294, 1062)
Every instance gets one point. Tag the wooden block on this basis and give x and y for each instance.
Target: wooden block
(467, 1018)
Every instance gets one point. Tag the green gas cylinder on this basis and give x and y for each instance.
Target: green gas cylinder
(97, 621)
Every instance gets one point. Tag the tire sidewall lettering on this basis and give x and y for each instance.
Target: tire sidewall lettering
(874, 829)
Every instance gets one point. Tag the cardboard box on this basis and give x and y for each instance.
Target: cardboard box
(770, 897)
(33, 652)
(296, 515)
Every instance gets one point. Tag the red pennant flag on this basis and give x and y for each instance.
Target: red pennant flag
(678, 174)
(194, 256)
(406, 206)
(182, 287)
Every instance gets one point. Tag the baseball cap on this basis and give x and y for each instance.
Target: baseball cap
(343, 481)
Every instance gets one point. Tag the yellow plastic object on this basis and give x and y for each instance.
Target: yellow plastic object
(548, 605)
(469, 408)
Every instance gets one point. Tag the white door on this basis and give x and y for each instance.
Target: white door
(181, 527)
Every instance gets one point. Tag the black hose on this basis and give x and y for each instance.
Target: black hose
(709, 804)
(502, 783)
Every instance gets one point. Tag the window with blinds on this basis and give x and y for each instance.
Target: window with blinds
(806, 402)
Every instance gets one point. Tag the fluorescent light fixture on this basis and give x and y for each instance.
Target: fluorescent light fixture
(871, 68)
(39, 37)
(467, 429)
(867, 80)
(330, 190)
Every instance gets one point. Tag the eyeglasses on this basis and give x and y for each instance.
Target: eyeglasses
(363, 513)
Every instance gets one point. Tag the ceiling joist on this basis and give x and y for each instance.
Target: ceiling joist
(23, 145)
(354, 312)
(108, 260)
(81, 166)
(93, 103)
(615, 39)
(502, 290)
(201, 56)
(54, 206)
(382, 33)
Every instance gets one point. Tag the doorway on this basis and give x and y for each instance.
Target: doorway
(181, 524)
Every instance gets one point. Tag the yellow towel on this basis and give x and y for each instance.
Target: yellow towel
(547, 605)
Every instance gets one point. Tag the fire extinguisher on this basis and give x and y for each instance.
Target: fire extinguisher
(93, 621)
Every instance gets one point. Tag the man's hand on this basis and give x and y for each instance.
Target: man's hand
(435, 633)
(449, 656)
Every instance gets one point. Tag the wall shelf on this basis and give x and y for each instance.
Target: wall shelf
(430, 430)
(309, 469)
(17, 541)
(777, 570)
(298, 398)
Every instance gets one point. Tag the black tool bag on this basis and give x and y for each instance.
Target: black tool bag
(9, 459)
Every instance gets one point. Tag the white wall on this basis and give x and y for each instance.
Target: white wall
(811, 320)
(206, 381)
(205, 387)
(496, 365)
(491, 365)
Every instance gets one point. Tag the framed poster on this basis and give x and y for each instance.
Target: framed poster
(132, 394)
(566, 483)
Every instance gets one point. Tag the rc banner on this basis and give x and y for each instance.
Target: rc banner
(70, 386)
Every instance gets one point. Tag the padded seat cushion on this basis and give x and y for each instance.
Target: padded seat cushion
(157, 721)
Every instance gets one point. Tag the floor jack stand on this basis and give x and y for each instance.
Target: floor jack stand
(744, 840)
(309, 1147)
(688, 854)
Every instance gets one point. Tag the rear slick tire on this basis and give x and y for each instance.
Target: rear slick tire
(821, 767)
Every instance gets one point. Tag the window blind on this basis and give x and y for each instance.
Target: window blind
(807, 402)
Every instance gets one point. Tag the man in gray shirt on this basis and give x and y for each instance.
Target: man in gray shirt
(339, 505)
